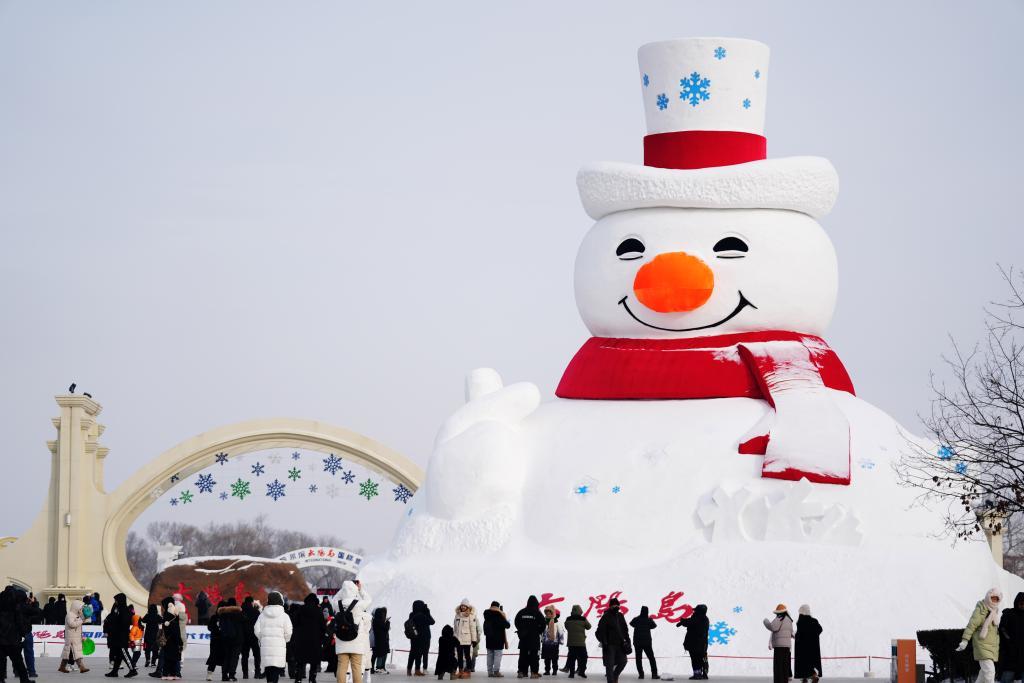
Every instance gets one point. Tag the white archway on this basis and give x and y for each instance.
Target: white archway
(77, 542)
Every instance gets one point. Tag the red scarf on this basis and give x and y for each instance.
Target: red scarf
(747, 365)
(699, 367)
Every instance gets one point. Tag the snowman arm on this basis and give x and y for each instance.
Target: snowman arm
(809, 436)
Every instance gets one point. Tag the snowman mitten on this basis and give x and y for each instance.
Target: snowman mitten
(808, 435)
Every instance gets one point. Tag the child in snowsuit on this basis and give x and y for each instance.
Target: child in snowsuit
(553, 636)
(447, 659)
(576, 627)
(696, 641)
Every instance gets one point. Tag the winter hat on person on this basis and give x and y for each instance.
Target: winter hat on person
(705, 147)
(577, 611)
(274, 598)
(614, 602)
(805, 609)
(495, 604)
(780, 609)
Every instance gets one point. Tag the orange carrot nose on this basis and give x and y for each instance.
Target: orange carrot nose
(674, 282)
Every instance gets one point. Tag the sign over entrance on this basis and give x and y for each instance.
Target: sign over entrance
(324, 556)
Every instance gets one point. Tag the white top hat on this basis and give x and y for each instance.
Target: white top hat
(704, 100)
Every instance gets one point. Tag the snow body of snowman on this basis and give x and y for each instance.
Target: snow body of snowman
(706, 439)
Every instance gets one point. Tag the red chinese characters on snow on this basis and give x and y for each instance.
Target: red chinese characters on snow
(670, 609)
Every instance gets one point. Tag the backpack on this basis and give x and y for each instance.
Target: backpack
(410, 629)
(345, 627)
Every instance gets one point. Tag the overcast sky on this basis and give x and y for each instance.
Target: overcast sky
(215, 211)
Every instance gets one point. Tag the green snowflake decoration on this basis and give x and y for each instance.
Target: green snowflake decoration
(369, 488)
(240, 489)
(294, 474)
(186, 497)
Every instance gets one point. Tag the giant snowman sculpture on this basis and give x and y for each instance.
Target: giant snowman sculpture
(706, 444)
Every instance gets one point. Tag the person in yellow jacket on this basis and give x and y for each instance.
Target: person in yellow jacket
(983, 633)
(135, 633)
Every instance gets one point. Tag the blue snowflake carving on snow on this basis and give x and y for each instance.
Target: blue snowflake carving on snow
(205, 483)
(746, 103)
(647, 80)
(945, 453)
(275, 490)
(582, 490)
(737, 609)
(332, 464)
(757, 73)
(961, 468)
(616, 489)
(402, 493)
(663, 101)
(720, 633)
(174, 501)
(312, 488)
(223, 495)
(695, 89)
(296, 455)
(348, 477)
(258, 469)
(719, 53)
(221, 458)
(867, 464)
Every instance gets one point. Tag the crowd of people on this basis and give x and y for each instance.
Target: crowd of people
(295, 639)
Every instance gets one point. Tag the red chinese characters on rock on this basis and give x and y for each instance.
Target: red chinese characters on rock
(185, 591)
(213, 592)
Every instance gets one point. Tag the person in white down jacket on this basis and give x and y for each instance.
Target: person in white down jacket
(351, 653)
(273, 628)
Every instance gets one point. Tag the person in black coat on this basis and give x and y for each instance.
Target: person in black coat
(696, 641)
(250, 643)
(1011, 641)
(173, 645)
(447, 659)
(232, 635)
(381, 627)
(60, 610)
(642, 643)
(496, 626)
(12, 630)
(151, 634)
(215, 657)
(116, 625)
(807, 648)
(307, 638)
(613, 634)
(419, 646)
(529, 626)
(203, 607)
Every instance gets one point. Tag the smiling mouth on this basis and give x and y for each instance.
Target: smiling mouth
(743, 303)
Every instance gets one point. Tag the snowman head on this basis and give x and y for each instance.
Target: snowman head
(687, 272)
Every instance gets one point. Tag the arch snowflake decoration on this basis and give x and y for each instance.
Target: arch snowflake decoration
(233, 478)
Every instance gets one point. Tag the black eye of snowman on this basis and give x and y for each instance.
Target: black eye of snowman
(731, 247)
(630, 249)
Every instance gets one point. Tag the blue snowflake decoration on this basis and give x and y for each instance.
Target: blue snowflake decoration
(582, 490)
(402, 493)
(332, 464)
(867, 464)
(719, 53)
(737, 609)
(312, 488)
(296, 455)
(175, 477)
(961, 468)
(221, 458)
(720, 633)
(663, 101)
(757, 73)
(348, 477)
(647, 80)
(616, 489)
(695, 89)
(223, 495)
(746, 103)
(275, 490)
(205, 483)
(174, 502)
(945, 453)
(258, 469)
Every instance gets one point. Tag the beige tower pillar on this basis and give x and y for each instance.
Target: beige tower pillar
(76, 506)
(992, 524)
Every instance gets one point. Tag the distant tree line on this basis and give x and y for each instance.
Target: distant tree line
(252, 537)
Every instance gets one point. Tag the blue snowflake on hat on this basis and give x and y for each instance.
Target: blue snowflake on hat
(695, 89)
